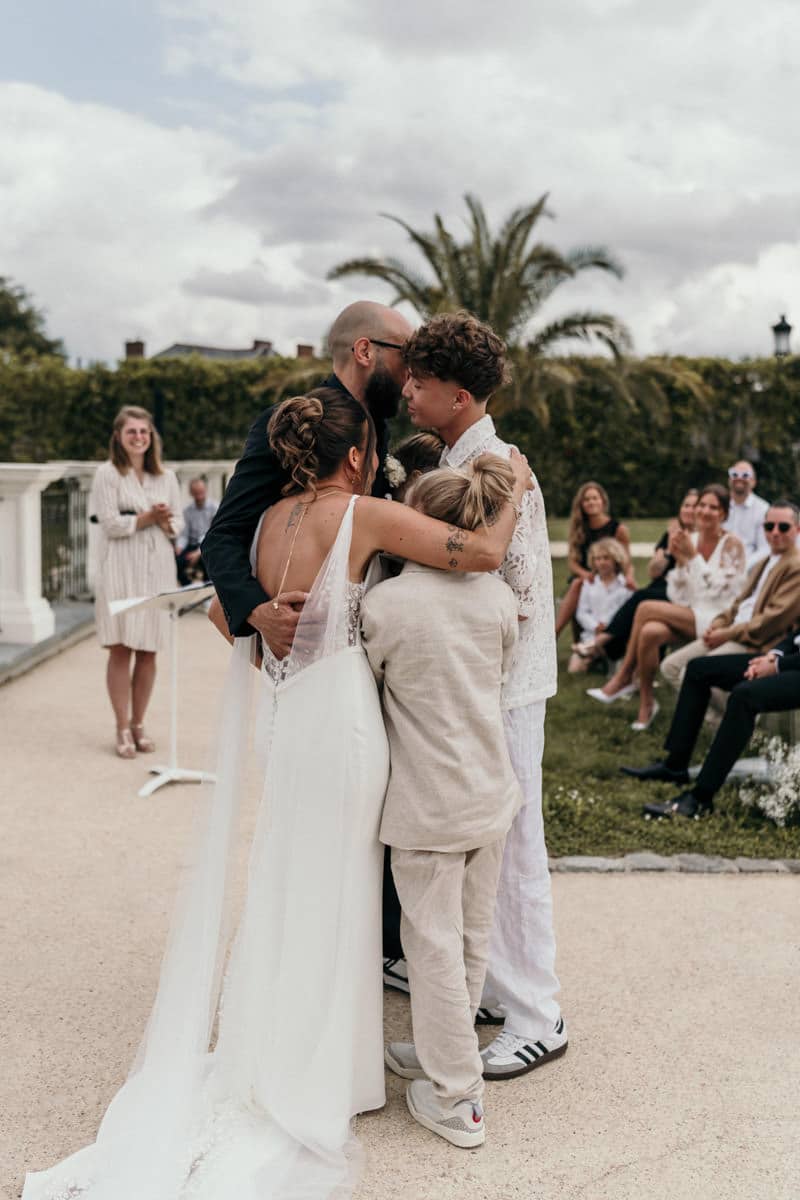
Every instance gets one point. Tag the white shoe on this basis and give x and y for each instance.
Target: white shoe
(509, 1056)
(460, 1124)
(395, 974)
(490, 1016)
(624, 692)
(401, 1057)
(640, 726)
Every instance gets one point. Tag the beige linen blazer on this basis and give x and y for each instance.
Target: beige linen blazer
(777, 608)
(439, 645)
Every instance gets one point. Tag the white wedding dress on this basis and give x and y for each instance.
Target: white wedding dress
(266, 1115)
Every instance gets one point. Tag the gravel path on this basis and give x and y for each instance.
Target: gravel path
(680, 989)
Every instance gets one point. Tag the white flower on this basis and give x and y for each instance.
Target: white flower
(779, 798)
(394, 471)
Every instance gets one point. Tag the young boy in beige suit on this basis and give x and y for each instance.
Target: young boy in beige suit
(439, 646)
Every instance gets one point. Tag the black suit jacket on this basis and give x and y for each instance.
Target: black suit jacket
(255, 486)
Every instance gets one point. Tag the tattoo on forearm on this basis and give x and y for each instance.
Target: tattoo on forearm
(294, 515)
(455, 543)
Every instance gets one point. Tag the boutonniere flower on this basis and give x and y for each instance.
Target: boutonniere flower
(394, 471)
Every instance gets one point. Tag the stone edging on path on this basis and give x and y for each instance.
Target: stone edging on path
(703, 864)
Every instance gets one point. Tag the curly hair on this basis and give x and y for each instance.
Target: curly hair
(311, 436)
(468, 497)
(459, 347)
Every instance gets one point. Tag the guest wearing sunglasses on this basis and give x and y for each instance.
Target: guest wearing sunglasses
(767, 607)
(747, 511)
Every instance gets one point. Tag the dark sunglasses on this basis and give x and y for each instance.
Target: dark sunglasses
(783, 526)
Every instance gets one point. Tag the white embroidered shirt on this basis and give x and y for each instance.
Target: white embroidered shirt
(528, 571)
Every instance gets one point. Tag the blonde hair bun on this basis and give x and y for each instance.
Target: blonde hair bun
(469, 497)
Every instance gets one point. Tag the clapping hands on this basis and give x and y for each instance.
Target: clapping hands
(680, 545)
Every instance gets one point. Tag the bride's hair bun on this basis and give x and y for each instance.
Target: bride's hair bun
(312, 435)
(293, 437)
(469, 497)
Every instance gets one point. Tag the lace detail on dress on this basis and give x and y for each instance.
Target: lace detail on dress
(280, 669)
(70, 1190)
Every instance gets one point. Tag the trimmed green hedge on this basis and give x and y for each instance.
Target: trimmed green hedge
(645, 454)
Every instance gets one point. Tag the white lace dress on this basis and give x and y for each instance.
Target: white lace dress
(707, 587)
(266, 1115)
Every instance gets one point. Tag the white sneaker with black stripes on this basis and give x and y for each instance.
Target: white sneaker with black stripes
(509, 1056)
(395, 974)
(490, 1016)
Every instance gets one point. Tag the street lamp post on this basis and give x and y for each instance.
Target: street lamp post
(781, 333)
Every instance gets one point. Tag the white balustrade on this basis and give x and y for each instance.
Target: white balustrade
(25, 615)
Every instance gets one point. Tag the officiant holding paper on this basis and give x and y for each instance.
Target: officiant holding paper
(136, 503)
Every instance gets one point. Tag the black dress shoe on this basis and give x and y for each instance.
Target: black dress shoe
(657, 772)
(687, 805)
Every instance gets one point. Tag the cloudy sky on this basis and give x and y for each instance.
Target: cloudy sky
(188, 170)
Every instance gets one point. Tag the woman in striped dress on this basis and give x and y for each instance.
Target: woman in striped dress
(136, 502)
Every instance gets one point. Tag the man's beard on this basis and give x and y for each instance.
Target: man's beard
(382, 395)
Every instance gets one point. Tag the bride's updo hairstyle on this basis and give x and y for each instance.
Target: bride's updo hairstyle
(311, 436)
(468, 497)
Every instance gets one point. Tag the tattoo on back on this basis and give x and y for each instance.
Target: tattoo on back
(294, 515)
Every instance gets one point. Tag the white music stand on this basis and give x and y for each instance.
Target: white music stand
(175, 604)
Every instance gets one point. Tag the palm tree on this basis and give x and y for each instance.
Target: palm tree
(503, 280)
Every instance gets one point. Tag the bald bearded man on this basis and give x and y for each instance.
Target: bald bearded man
(366, 342)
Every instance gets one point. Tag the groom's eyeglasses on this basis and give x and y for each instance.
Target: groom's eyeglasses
(386, 345)
(783, 526)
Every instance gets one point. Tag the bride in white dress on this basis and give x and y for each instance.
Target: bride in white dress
(296, 1005)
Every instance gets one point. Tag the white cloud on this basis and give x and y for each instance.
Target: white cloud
(662, 129)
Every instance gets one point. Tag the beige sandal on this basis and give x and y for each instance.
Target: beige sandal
(144, 744)
(125, 747)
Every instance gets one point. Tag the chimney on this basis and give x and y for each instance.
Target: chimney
(261, 346)
(304, 350)
(134, 349)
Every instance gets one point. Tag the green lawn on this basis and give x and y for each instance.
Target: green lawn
(590, 808)
(646, 529)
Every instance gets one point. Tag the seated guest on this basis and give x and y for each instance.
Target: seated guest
(766, 683)
(708, 574)
(768, 606)
(613, 641)
(601, 597)
(590, 520)
(409, 459)
(747, 511)
(197, 518)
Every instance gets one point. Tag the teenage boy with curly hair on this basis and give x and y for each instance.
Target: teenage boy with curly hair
(455, 364)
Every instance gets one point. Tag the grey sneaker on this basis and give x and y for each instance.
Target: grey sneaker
(401, 1057)
(461, 1124)
(395, 974)
(509, 1056)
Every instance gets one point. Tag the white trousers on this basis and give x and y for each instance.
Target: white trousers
(521, 976)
